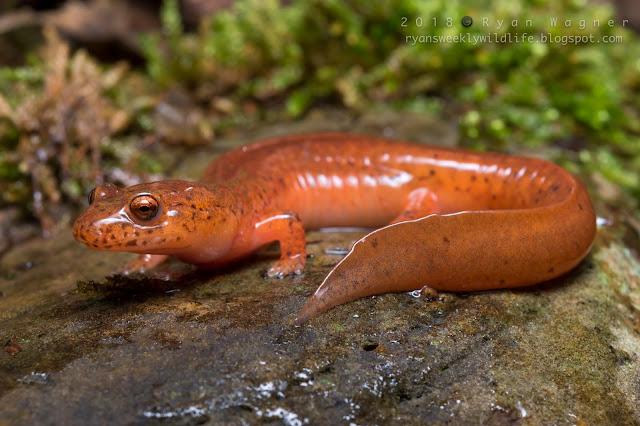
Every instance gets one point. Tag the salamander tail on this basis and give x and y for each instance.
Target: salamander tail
(361, 273)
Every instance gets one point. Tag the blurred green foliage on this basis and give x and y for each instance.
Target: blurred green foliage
(582, 96)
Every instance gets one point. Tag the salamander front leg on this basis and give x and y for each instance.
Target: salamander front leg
(141, 264)
(287, 229)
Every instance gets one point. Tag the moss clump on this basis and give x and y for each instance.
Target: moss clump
(58, 118)
(579, 96)
(52, 141)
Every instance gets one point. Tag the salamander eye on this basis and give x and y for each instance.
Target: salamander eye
(144, 207)
(92, 196)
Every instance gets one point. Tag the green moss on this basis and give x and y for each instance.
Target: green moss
(363, 54)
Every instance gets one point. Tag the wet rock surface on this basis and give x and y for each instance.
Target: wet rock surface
(222, 348)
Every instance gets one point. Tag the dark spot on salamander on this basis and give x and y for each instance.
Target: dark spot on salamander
(432, 172)
(104, 240)
(445, 239)
(486, 180)
(506, 261)
(132, 243)
(163, 240)
(184, 225)
(96, 240)
(136, 233)
(550, 270)
(554, 188)
(457, 188)
(108, 247)
(113, 237)
(493, 196)
(150, 231)
(208, 217)
(580, 206)
(144, 243)
(374, 242)
(178, 238)
(473, 178)
(193, 206)
(502, 282)
(193, 215)
(126, 233)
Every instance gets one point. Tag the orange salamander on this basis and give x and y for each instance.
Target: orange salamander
(456, 220)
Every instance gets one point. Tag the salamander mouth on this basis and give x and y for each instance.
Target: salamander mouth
(160, 250)
(99, 239)
(132, 246)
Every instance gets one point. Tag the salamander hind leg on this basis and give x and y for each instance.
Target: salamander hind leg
(421, 202)
(141, 264)
(288, 230)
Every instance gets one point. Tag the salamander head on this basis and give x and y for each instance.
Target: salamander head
(165, 217)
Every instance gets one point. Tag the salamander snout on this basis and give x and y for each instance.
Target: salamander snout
(94, 227)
